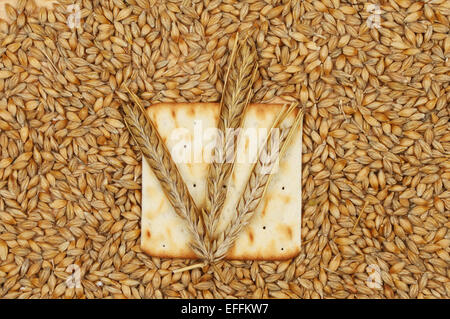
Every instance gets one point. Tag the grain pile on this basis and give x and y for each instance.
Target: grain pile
(376, 177)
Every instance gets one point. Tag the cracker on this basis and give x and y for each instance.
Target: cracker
(273, 233)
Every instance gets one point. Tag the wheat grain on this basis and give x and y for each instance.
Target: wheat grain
(178, 54)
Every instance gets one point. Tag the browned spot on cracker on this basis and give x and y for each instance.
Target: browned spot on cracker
(263, 110)
(289, 231)
(188, 254)
(266, 203)
(250, 235)
(287, 199)
(247, 141)
(285, 230)
(191, 110)
(261, 113)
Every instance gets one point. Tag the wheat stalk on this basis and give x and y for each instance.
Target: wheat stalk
(236, 96)
(165, 170)
(255, 188)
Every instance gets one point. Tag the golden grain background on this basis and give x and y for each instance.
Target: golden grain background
(374, 78)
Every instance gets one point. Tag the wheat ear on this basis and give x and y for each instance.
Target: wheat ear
(237, 94)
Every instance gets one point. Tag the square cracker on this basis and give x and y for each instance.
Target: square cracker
(273, 232)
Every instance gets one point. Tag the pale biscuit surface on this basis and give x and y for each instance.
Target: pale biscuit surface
(274, 232)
